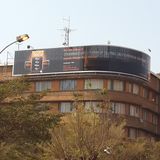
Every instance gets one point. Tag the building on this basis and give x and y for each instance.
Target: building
(134, 91)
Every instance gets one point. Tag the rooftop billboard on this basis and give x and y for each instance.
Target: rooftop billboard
(82, 58)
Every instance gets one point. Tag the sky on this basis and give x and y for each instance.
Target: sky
(128, 23)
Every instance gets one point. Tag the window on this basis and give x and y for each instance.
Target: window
(110, 84)
(157, 100)
(129, 87)
(93, 84)
(145, 93)
(135, 89)
(132, 133)
(65, 107)
(67, 85)
(115, 85)
(118, 85)
(118, 108)
(144, 115)
(44, 85)
(134, 111)
(154, 97)
(154, 119)
(93, 106)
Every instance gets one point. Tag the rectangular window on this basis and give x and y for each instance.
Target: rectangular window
(118, 108)
(65, 107)
(93, 106)
(154, 119)
(43, 86)
(145, 93)
(129, 87)
(157, 100)
(93, 84)
(145, 115)
(135, 89)
(67, 85)
(118, 85)
(154, 97)
(110, 85)
(132, 133)
(115, 85)
(134, 111)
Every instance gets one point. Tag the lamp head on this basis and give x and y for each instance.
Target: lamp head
(22, 38)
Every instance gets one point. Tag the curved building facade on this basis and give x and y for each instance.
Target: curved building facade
(133, 90)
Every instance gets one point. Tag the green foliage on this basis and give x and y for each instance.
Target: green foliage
(12, 88)
(15, 152)
(24, 121)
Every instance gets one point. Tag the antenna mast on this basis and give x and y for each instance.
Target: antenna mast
(67, 31)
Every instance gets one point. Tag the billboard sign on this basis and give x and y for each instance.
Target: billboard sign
(118, 59)
(48, 61)
(82, 58)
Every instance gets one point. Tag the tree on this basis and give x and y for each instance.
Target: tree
(94, 134)
(24, 120)
(135, 149)
(155, 148)
(85, 134)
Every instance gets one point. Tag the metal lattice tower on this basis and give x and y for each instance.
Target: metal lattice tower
(67, 31)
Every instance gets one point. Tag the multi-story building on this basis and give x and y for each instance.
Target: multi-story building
(133, 90)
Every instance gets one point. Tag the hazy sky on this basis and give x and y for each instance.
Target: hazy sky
(129, 23)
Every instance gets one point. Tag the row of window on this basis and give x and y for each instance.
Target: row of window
(117, 108)
(69, 85)
(115, 85)
(135, 111)
(66, 107)
(134, 133)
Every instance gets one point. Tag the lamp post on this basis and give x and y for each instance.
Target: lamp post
(19, 39)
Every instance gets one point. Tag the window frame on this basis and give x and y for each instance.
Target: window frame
(136, 89)
(94, 84)
(65, 107)
(68, 84)
(43, 86)
(118, 108)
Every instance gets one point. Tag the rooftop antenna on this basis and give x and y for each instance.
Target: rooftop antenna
(67, 31)
(108, 42)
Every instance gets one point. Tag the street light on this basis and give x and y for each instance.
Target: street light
(19, 39)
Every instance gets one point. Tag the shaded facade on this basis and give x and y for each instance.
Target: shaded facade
(133, 90)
